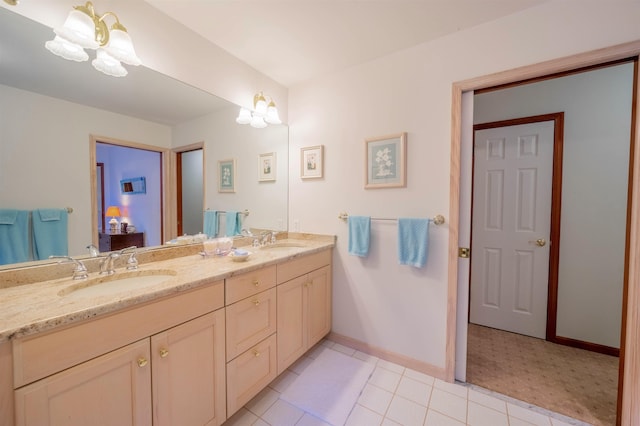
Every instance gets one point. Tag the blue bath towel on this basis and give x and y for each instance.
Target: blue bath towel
(413, 241)
(14, 236)
(233, 224)
(50, 233)
(211, 223)
(359, 235)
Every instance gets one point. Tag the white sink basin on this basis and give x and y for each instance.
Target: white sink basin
(106, 285)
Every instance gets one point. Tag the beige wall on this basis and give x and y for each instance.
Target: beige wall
(397, 308)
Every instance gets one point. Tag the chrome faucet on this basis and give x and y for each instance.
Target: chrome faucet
(79, 271)
(132, 262)
(93, 250)
(106, 265)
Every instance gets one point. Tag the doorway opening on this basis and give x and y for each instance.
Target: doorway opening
(463, 101)
(129, 160)
(190, 188)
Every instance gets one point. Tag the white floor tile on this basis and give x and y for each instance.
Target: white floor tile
(361, 416)
(344, 349)
(260, 422)
(449, 404)
(391, 366)
(514, 421)
(557, 422)
(528, 415)
(385, 379)
(309, 420)
(421, 377)
(376, 399)
(365, 357)
(299, 366)
(438, 419)
(243, 417)
(262, 401)
(479, 415)
(414, 390)
(317, 350)
(283, 381)
(487, 400)
(405, 412)
(453, 388)
(388, 422)
(282, 413)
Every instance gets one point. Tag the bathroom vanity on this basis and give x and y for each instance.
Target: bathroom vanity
(190, 346)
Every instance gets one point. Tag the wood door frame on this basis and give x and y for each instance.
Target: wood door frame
(629, 397)
(176, 183)
(556, 201)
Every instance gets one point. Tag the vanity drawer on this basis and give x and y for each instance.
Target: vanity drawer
(303, 265)
(249, 321)
(249, 283)
(249, 373)
(40, 355)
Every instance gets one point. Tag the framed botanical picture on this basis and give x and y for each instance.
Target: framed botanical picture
(227, 175)
(385, 161)
(311, 162)
(267, 167)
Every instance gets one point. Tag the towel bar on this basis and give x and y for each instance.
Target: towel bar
(437, 219)
(245, 212)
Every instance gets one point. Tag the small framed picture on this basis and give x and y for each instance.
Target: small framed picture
(267, 167)
(311, 162)
(227, 175)
(385, 161)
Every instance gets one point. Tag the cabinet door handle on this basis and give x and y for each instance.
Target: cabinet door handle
(308, 284)
(256, 282)
(256, 353)
(164, 352)
(142, 362)
(256, 302)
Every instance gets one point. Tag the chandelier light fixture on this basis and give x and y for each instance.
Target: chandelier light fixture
(85, 29)
(264, 112)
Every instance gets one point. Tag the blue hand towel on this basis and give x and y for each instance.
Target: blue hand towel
(14, 236)
(359, 235)
(413, 241)
(50, 235)
(233, 224)
(211, 223)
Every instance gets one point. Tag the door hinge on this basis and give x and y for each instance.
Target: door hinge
(464, 252)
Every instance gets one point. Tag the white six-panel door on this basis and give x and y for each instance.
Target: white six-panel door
(511, 226)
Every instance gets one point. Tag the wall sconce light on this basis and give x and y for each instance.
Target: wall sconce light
(84, 29)
(113, 211)
(263, 113)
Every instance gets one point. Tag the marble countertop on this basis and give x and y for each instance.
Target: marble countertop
(41, 306)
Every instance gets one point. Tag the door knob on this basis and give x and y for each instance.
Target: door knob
(540, 242)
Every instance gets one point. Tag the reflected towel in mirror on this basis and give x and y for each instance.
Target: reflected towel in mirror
(14, 236)
(50, 233)
(211, 223)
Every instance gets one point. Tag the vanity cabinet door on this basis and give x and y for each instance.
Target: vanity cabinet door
(188, 363)
(113, 389)
(304, 314)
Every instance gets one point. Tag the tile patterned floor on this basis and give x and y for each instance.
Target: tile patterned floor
(395, 395)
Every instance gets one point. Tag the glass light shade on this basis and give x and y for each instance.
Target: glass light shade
(272, 116)
(80, 29)
(67, 50)
(120, 47)
(108, 65)
(261, 105)
(258, 122)
(244, 117)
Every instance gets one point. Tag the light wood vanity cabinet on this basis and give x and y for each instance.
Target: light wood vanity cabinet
(251, 328)
(68, 377)
(304, 305)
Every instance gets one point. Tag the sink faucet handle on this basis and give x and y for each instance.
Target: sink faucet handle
(79, 270)
(132, 262)
(93, 250)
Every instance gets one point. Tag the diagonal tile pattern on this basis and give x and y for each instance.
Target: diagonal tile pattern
(395, 395)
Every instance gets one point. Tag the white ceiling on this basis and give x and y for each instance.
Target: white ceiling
(296, 40)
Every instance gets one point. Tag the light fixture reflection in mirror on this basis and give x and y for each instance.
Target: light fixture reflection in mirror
(84, 29)
(263, 113)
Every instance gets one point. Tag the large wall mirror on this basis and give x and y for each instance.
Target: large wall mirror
(52, 109)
